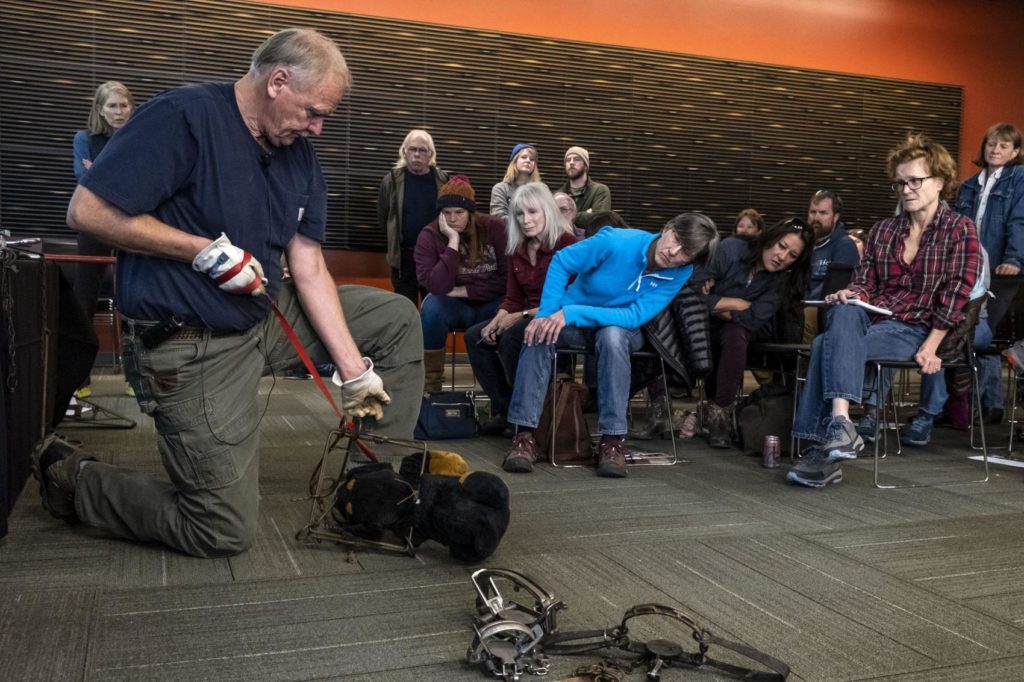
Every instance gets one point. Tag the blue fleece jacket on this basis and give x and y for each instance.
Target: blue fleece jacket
(611, 286)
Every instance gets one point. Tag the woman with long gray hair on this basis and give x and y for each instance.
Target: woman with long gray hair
(536, 230)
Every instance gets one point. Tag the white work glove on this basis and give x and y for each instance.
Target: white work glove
(363, 396)
(233, 269)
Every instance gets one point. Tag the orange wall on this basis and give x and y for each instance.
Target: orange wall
(941, 41)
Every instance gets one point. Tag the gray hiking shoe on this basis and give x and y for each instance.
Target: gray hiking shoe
(841, 440)
(813, 471)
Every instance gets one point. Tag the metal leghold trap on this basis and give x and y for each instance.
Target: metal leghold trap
(327, 523)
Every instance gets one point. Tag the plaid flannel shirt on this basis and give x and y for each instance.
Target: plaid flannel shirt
(934, 288)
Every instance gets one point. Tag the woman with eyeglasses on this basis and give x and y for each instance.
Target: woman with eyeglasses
(522, 168)
(743, 287)
(920, 264)
(536, 231)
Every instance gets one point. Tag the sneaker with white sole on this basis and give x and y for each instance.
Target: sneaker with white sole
(812, 470)
(841, 440)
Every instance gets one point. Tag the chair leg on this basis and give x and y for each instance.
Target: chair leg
(452, 340)
(1012, 385)
(880, 415)
(975, 412)
(667, 397)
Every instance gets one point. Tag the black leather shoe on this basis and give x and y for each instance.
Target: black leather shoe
(496, 425)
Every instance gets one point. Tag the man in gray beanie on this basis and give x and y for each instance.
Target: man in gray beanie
(590, 197)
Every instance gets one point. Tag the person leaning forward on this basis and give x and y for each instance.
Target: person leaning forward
(201, 192)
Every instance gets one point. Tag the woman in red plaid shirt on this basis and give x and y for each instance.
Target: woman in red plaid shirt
(921, 264)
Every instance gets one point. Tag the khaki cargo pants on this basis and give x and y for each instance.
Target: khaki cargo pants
(203, 397)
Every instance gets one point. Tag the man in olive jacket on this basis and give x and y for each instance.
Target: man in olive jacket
(406, 202)
(590, 197)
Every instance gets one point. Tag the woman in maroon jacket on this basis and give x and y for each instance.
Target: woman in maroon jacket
(536, 229)
(460, 261)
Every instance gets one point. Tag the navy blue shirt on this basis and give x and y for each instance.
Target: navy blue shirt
(419, 205)
(732, 279)
(187, 158)
(837, 248)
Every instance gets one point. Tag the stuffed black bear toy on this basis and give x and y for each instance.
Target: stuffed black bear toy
(467, 515)
(466, 512)
(372, 499)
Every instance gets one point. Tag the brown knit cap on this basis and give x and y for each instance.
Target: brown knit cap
(456, 193)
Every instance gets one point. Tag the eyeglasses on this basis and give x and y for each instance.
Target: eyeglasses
(912, 183)
(417, 150)
(565, 210)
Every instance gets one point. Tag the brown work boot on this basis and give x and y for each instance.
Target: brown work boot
(522, 454)
(55, 464)
(433, 370)
(611, 458)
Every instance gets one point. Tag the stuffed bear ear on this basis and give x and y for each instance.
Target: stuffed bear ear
(483, 517)
(410, 468)
(487, 489)
(447, 463)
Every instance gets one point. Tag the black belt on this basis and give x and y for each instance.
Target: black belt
(182, 334)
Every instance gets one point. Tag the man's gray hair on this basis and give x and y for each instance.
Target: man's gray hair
(308, 53)
(697, 234)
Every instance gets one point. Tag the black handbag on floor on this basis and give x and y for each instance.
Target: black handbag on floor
(447, 415)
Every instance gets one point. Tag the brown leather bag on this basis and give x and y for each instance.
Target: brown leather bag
(572, 442)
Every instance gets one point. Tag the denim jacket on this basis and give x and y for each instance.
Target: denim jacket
(1002, 228)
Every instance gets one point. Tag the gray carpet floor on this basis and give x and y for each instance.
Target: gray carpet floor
(844, 583)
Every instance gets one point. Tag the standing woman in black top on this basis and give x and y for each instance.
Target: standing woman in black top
(112, 105)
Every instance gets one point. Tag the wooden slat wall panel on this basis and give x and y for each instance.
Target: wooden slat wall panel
(667, 132)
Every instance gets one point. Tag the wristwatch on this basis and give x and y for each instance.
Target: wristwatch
(526, 314)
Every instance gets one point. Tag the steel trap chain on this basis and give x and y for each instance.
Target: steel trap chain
(515, 638)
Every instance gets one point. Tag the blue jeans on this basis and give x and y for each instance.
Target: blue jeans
(441, 314)
(933, 386)
(612, 345)
(838, 364)
(494, 366)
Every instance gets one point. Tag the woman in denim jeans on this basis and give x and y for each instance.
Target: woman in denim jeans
(921, 264)
(460, 261)
(623, 278)
(536, 230)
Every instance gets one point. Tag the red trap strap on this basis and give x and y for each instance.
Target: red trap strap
(289, 331)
